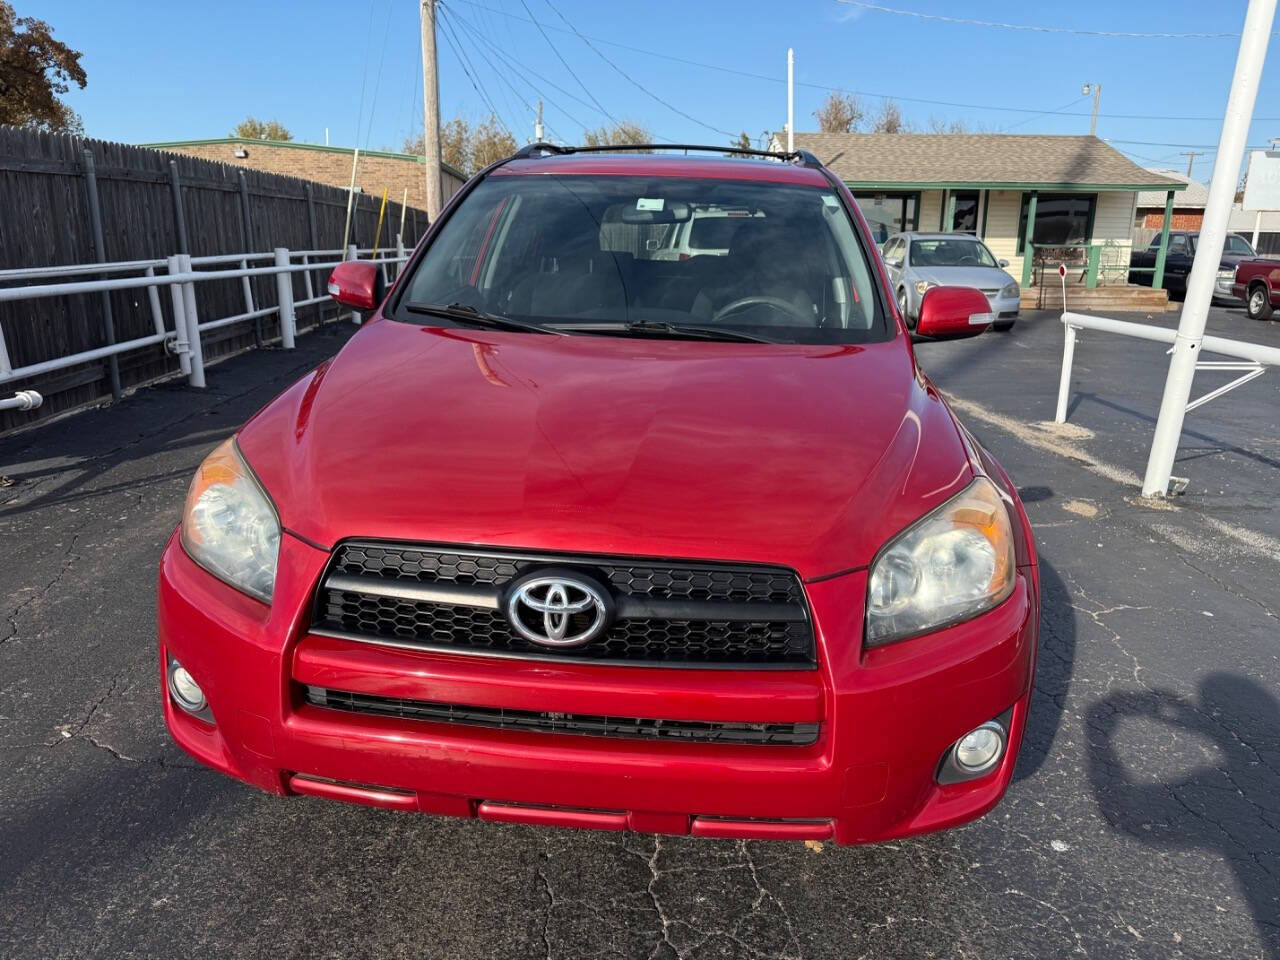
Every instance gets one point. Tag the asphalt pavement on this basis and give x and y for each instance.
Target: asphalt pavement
(1144, 820)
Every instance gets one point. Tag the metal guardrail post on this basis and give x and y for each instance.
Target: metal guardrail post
(100, 254)
(22, 400)
(180, 345)
(196, 379)
(153, 299)
(284, 288)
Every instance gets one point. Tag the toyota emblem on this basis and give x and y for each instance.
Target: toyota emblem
(558, 609)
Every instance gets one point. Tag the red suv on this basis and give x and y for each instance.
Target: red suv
(575, 533)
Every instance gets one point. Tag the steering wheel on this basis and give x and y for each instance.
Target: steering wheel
(742, 303)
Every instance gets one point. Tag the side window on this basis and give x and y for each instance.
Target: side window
(1177, 244)
(893, 251)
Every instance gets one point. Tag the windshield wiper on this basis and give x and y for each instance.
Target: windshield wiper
(466, 313)
(662, 328)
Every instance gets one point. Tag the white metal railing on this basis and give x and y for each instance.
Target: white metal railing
(180, 275)
(1251, 359)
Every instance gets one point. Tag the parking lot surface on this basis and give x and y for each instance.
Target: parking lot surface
(1144, 820)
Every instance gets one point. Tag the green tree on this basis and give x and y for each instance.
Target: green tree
(467, 146)
(251, 128)
(35, 70)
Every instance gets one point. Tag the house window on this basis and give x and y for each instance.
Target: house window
(965, 218)
(1061, 218)
(889, 213)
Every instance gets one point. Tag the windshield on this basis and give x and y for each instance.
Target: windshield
(951, 253)
(781, 262)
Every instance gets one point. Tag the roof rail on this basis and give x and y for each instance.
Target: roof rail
(802, 157)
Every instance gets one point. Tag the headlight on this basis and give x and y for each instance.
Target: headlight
(923, 285)
(1009, 291)
(953, 564)
(229, 526)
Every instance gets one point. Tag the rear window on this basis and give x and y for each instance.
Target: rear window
(566, 249)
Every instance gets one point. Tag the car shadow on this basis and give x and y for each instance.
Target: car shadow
(1054, 667)
(1228, 805)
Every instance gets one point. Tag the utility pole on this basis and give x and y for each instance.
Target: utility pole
(791, 100)
(537, 127)
(1191, 159)
(1097, 95)
(1213, 234)
(431, 108)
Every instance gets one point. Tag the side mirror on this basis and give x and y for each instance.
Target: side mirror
(356, 283)
(1002, 263)
(953, 313)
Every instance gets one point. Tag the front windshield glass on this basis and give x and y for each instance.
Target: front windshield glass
(777, 261)
(957, 252)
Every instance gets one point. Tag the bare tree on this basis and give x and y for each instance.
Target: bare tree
(840, 113)
(626, 132)
(251, 128)
(940, 125)
(35, 70)
(889, 119)
(742, 141)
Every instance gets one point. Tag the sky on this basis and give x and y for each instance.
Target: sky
(695, 71)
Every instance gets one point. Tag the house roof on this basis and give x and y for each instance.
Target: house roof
(294, 144)
(981, 160)
(1195, 195)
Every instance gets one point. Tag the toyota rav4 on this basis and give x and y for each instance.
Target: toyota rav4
(574, 533)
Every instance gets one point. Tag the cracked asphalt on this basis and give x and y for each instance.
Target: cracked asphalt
(1144, 820)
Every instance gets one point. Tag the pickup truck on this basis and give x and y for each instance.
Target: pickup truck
(1257, 283)
(1177, 264)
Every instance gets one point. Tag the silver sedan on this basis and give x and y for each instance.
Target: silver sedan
(918, 261)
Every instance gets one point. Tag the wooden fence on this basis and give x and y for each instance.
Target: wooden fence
(45, 220)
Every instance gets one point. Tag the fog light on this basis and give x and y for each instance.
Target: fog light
(184, 689)
(981, 748)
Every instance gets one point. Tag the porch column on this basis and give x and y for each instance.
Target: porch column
(949, 223)
(1027, 249)
(1157, 278)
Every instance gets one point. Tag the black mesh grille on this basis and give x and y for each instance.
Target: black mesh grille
(743, 638)
(782, 734)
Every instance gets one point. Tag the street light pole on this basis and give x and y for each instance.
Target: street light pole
(791, 100)
(1213, 235)
(431, 108)
(1097, 95)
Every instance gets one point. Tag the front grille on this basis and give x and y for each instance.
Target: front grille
(636, 728)
(679, 614)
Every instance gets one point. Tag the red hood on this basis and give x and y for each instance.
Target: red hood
(807, 456)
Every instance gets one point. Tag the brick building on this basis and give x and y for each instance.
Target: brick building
(377, 170)
(1188, 207)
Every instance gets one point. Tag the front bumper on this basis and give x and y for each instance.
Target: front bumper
(887, 716)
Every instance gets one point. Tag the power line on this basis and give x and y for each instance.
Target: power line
(520, 69)
(500, 75)
(506, 99)
(463, 62)
(862, 93)
(630, 79)
(1029, 28)
(566, 63)
(382, 56)
(1070, 103)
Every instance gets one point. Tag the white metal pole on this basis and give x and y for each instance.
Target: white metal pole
(196, 379)
(404, 205)
(1064, 383)
(1213, 233)
(791, 99)
(538, 132)
(351, 192)
(1257, 227)
(284, 292)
